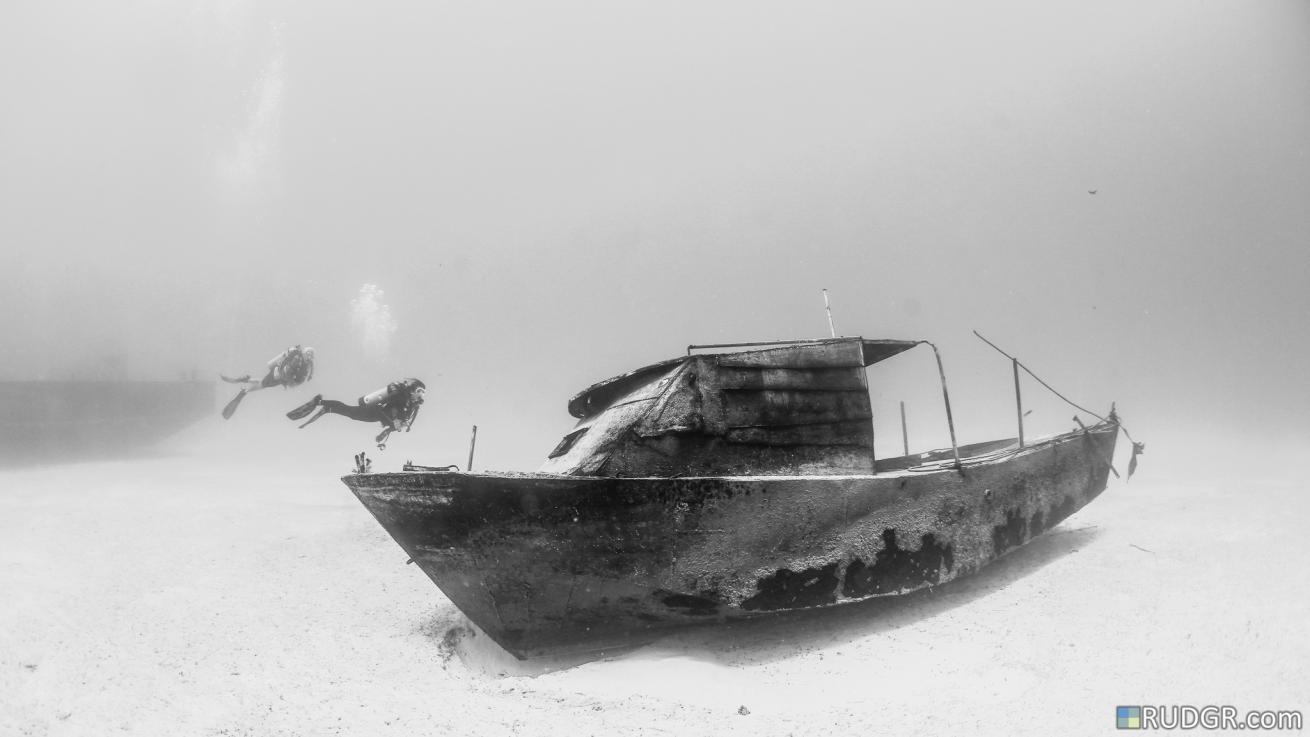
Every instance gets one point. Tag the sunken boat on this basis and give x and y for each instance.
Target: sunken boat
(58, 421)
(719, 486)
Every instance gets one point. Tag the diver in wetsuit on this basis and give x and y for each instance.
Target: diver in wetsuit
(395, 406)
(290, 368)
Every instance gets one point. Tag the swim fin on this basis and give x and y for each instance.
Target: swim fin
(239, 380)
(304, 409)
(321, 411)
(232, 405)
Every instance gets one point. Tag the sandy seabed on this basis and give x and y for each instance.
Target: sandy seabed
(228, 584)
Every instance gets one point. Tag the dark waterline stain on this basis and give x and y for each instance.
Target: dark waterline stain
(895, 569)
(791, 590)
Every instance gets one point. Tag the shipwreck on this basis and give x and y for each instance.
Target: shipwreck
(65, 421)
(725, 485)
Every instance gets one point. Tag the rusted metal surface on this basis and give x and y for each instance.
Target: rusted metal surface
(548, 563)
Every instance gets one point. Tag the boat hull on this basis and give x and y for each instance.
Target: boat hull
(549, 564)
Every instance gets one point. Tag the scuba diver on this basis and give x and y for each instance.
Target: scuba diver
(291, 367)
(395, 406)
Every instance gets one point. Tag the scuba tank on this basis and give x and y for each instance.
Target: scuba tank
(391, 391)
(401, 400)
(381, 395)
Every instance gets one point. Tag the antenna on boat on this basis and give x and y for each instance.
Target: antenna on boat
(905, 433)
(473, 441)
(828, 307)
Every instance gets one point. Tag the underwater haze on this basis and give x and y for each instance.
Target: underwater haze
(548, 196)
(513, 201)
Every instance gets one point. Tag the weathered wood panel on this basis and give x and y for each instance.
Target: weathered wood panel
(815, 379)
(784, 407)
(801, 409)
(857, 433)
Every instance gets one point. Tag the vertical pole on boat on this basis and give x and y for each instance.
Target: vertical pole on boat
(1018, 400)
(832, 330)
(905, 435)
(473, 441)
(946, 397)
(873, 444)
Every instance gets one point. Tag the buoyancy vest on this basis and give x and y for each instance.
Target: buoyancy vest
(399, 399)
(295, 366)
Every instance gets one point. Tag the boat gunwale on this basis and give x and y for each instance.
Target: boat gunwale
(936, 466)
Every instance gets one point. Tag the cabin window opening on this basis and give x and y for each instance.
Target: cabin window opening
(567, 443)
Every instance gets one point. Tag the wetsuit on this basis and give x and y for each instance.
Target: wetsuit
(291, 367)
(395, 409)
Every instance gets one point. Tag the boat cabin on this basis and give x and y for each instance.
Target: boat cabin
(794, 409)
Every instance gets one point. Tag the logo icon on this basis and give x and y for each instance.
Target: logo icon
(1128, 717)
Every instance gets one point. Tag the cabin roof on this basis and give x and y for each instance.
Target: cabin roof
(878, 350)
(600, 394)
